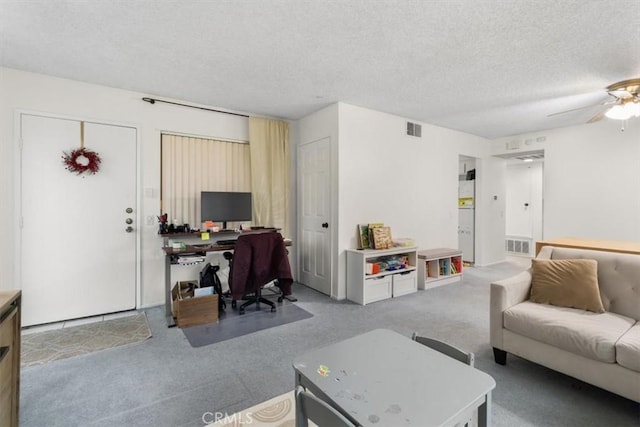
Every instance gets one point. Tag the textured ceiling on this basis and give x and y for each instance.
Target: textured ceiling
(489, 68)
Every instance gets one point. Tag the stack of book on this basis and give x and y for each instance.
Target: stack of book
(374, 235)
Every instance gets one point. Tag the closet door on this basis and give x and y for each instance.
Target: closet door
(77, 250)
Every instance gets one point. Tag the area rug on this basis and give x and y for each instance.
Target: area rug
(277, 412)
(232, 325)
(47, 346)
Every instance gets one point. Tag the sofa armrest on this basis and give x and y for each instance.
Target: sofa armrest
(504, 294)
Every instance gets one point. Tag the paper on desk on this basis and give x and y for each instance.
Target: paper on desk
(204, 236)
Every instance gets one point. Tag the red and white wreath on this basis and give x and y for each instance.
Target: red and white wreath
(81, 159)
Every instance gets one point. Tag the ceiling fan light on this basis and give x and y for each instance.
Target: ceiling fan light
(634, 108)
(619, 112)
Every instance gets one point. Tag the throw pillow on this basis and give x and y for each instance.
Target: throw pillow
(566, 283)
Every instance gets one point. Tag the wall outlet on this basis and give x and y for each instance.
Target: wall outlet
(151, 220)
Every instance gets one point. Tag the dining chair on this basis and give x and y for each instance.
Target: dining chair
(317, 411)
(451, 351)
(446, 348)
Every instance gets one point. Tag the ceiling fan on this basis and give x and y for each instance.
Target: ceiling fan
(624, 105)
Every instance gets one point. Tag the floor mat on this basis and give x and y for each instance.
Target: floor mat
(231, 324)
(276, 412)
(47, 346)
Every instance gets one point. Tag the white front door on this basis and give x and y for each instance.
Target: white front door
(77, 257)
(314, 212)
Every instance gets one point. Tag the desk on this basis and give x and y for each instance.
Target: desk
(596, 245)
(171, 254)
(382, 378)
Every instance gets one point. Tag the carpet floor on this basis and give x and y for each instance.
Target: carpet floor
(164, 381)
(47, 346)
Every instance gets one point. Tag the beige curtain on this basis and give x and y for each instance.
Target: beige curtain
(191, 165)
(269, 145)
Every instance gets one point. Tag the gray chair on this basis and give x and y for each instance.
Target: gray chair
(310, 408)
(444, 348)
(449, 350)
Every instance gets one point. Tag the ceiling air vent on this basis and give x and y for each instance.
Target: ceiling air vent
(414, 129)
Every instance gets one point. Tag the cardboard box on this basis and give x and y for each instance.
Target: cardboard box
(189, 310)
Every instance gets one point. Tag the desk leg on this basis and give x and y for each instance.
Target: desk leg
(484, 412)
(167, 292)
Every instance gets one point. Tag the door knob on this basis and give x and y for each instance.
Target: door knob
(129, 221)
(325, 225)
(128, 229)
(128, 210)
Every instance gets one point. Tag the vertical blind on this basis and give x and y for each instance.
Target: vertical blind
(191, 165)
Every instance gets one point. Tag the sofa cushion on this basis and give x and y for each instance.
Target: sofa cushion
(628, 349)
(618, 278)
(566, 283)
(591, 335)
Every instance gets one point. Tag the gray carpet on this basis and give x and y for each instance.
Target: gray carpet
(163, 381)
(233, 325)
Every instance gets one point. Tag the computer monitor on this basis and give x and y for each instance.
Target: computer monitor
(223, 206)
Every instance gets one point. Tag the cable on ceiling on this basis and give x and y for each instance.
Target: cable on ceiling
(153, 101)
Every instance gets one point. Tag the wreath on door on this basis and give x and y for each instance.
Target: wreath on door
(81, 159)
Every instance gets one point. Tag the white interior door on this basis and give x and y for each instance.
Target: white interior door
(314, 211)
(77, 257)
(466, 234)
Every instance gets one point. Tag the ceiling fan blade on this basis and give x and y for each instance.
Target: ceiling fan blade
(621, 93)
(582, 108)
(597, 117)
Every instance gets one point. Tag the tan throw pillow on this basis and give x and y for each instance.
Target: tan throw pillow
(566, 283)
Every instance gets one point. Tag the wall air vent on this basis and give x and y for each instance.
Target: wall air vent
(518, 245)
(414, 129)
(530, 157)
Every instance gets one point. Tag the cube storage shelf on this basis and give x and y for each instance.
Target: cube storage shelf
(438, 267)
(366, 288)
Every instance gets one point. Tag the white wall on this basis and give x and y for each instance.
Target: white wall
(411, 184)
(591, 180)
(44, 94)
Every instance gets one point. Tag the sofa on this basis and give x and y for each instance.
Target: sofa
(600, 348)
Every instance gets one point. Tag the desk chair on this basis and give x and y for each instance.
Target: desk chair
(258, 259)
(449, 350)
(318, 411)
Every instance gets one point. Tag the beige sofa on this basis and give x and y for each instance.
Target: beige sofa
(602, 349)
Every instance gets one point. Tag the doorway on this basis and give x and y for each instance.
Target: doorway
(78, 239)
(524, 204)
(314, 214)
(467, 208)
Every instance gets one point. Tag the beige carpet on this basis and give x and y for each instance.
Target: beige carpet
(277, 412)
(47, 346)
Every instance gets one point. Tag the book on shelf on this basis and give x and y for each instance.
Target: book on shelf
(363, 236)
(382, 238)
(370, 228)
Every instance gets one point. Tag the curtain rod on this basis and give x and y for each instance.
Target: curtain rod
(153, 101)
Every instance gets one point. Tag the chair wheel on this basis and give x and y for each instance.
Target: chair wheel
(241, 311)
(273, 309)
(233, 304)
